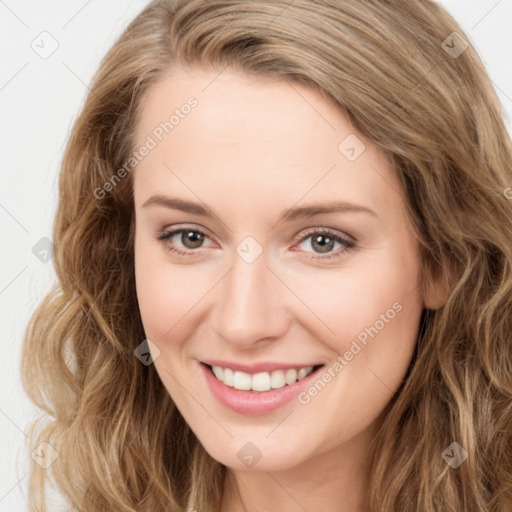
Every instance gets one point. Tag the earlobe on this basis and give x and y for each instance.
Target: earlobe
(436, 289)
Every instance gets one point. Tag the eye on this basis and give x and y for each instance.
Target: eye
(322, 240)
(190, 238)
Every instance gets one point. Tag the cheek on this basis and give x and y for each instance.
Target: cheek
(166, 292)
(377, 328)
(375, 316)
(377, 297)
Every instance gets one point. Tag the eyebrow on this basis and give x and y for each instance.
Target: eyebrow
(291, 214)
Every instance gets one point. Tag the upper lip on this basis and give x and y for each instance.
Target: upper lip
(257, 367)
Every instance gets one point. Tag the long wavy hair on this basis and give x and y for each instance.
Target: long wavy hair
(417, 91)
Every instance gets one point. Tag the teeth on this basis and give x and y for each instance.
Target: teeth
(242, 380)
(228, 376)
(302, 373)
(260, 382)
(277, 379)
(291, 376)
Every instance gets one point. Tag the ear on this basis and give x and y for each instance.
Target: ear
(436, 289)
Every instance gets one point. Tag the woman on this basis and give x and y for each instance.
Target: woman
(284, 263)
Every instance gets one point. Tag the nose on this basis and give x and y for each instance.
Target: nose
(250, 305)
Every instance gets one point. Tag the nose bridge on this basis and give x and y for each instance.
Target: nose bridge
(248, 306)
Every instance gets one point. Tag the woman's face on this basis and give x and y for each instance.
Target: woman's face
(295, 250)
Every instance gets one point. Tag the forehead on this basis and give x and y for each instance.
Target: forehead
(254, 137)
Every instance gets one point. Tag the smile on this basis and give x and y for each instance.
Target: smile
(262, 381)
(256, 393)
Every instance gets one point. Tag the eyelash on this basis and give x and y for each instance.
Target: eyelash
(348, 244)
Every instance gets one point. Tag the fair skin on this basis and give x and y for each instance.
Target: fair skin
(251, 149)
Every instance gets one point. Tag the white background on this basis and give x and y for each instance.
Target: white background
(39, 100)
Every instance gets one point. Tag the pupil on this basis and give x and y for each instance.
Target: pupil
(325, 247)
(192, 237)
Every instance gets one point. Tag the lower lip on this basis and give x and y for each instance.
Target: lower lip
(249, 402)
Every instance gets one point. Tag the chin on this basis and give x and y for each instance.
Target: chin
(256, 455)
